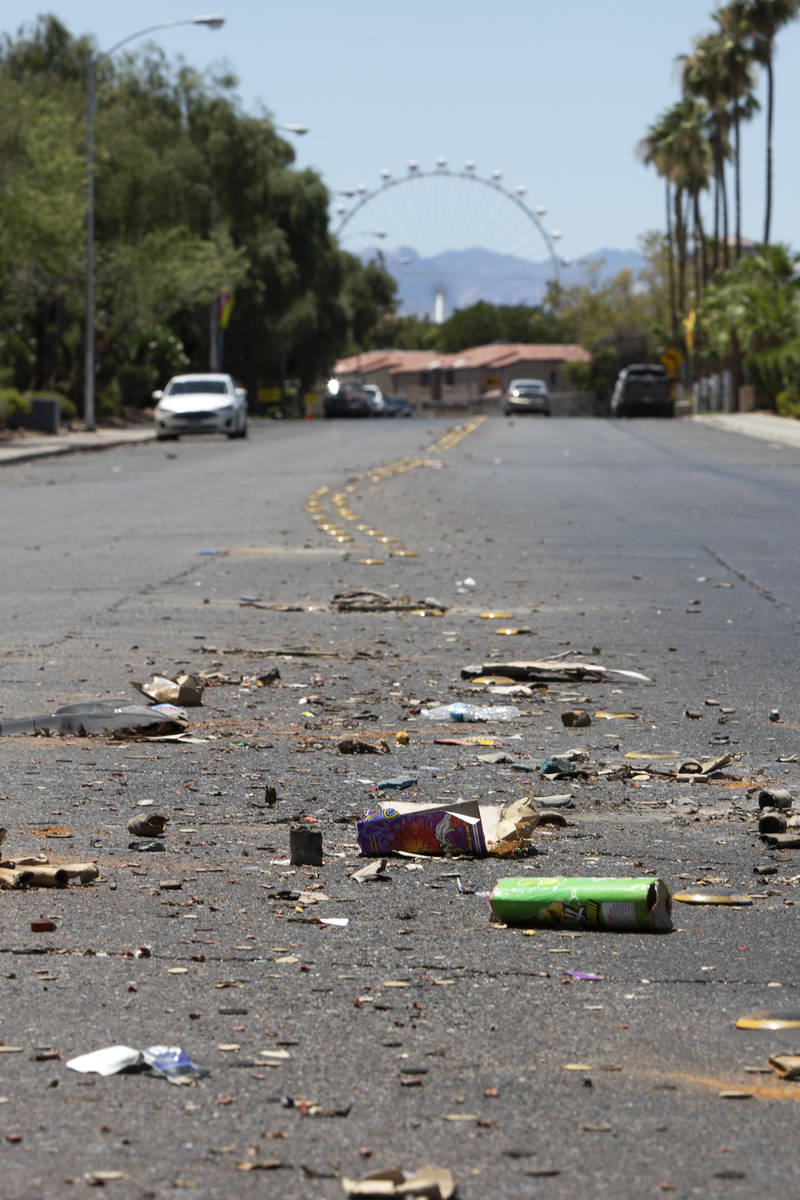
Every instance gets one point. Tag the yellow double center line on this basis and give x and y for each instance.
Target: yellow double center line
(332, 513)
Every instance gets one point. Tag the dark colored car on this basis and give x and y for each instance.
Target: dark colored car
(346, 398)
(396, 406)
(526, 396)
(642, 390)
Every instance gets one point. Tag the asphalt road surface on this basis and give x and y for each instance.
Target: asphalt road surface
(419, 1032)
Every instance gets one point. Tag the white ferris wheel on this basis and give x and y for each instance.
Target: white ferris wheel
(439, 212)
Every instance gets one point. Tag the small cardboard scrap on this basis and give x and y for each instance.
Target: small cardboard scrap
(372, 871)
(436, 1183)
(463, 827)
(186, 690)
(705, 766)
(786, 1065)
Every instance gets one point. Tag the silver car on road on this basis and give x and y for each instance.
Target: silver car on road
(526, 396)
(200, 404)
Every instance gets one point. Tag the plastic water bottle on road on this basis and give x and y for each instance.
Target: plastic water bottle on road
(472, 712)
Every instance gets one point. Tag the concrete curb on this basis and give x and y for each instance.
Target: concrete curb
(764, 426)
(28, 451)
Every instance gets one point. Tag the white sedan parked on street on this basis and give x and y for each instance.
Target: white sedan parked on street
(200, 404)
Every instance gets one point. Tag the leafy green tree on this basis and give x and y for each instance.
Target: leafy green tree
(194, 198)
(41, 265)
(483, 323)
(405, 332)
(369, 295)
(528, 323)
(43, 54)
(651, 292)
(478, 325)
(300, 302)
(752, 310)
(41, 198)
(616, 320)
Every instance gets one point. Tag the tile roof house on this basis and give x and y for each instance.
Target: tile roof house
(480, 373)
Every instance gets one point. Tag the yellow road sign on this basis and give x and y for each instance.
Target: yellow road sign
(672, 359)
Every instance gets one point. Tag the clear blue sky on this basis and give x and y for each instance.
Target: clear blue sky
(555, 93)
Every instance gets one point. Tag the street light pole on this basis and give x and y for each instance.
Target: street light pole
(213, 22)
(88, 362)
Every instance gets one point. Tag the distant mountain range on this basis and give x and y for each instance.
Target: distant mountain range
(466, 276)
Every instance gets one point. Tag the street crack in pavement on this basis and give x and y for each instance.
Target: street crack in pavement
(753, 583)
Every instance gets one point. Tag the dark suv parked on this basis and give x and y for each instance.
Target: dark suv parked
(642, 390)
(346, 398)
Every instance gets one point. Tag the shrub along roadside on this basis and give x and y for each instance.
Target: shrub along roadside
(13, 408)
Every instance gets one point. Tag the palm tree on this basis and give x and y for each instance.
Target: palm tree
(737, 60)
(691, 144)
(679, 148)
(654, 150)
(764, 19)
(703, 77)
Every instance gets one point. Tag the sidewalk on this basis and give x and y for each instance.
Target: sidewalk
(768, 427)
(25, 449)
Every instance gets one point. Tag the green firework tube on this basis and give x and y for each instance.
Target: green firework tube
(556, 902)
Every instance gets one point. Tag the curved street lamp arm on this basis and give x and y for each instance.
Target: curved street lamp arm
(213, 21)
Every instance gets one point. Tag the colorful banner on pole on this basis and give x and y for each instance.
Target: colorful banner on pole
(225, 309)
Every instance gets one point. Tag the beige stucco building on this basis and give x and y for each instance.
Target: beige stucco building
(472, 376)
